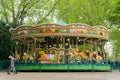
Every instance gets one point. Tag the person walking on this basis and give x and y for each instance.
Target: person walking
(12, 64)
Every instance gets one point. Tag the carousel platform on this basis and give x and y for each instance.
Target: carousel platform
(62, 67)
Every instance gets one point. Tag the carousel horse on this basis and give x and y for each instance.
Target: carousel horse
(17, 56)
(75, 51)
(57, 56)
(24, 57)
(97, 57)
(76, 55)
(42, 56)
(83, 55)
(89, 55)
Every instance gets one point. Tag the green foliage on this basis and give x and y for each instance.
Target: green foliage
(115, 14)
(86, 47)
(5, 41)
(80, 48)
(114, 35)
(93, 12)
(115, 38)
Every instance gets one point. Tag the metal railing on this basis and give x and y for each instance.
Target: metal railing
(114, 65)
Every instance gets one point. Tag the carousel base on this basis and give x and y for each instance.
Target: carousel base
(62, 67)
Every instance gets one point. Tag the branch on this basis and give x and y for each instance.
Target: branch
(13, 10)
(22, 13)
(49, 11)
(32, 5)
(22, 18)
(19, 9)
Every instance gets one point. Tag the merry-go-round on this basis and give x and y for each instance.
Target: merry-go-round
(60, 47)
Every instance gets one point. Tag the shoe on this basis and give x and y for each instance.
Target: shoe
(8, 73)
(15, 73)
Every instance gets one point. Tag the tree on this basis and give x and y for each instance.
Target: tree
(93, 12)
(115, 39)
(115, 14)
(19, 12)
(5, 41)
(115, 29)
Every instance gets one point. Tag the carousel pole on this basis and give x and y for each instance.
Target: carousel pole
(35, 44)
(39, 44)
(91, 45)
(36, 60)
(16, 50)
(102, 50)
(103, 53)
(28, 47)
(47, 42)
(77, 42)
(32, 48)
(83, 45)
(56, 40)
(95, 45)
(60, 45)
(23, 47)
(63, 40)
(68, 40)
(106, 57)
(20, 49)
(51, 41)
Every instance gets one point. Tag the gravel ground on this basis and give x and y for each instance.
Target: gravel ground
(114, 75)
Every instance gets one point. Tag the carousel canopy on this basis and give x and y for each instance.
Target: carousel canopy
(46, 30)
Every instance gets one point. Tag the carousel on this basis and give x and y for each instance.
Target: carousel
(60, 47)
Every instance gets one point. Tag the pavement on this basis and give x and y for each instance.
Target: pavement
(114, 75)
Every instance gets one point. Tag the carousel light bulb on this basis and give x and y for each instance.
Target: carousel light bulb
(16, 43)
(79, 40)
(68, 39)
(25, 53)
(66, 44)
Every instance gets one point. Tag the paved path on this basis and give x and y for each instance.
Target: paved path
(115, 75)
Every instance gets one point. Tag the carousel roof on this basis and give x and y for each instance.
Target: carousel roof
(45, 30)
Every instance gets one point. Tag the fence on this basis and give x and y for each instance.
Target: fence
(67, 67)
(4, 64)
